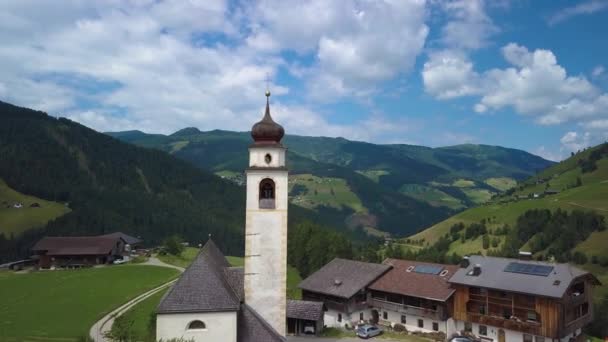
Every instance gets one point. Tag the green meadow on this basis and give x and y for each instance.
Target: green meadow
(17, 220)
(63, 305)
(323, 191)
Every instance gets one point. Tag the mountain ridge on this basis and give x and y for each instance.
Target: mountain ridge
(433, 176)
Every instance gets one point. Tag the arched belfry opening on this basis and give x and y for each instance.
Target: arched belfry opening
(267, 194)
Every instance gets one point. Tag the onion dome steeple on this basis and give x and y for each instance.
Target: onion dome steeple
(267, 131)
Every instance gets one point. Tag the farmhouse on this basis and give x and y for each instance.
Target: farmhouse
(76, 251)
(414, 294)
(502, 299)
(342, 285)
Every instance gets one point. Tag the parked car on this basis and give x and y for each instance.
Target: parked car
(309, 329)
(461, 339)
(367, 331)
(119, 261)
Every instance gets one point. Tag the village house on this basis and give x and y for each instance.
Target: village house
(414, 294)
(500, 299)
(342, 285)
(79, 251)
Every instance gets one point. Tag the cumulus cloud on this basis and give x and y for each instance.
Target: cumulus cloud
(355, 44)
(162, 65)
(448, 74)
(598, 71)
(587, 7)
(468, 27)
(534, 85)
(573, 141)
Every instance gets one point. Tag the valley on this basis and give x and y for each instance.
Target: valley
(434, 182)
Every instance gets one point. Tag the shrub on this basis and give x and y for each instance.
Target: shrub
(399, 328)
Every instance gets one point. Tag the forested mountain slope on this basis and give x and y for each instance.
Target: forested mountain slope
(110, 185)
(577, 183)
(381, 188)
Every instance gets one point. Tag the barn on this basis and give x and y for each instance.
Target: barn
(81, 251)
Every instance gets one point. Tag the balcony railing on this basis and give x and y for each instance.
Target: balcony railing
(529, 327)
(438, 314)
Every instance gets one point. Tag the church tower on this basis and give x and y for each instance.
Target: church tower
(266, 223)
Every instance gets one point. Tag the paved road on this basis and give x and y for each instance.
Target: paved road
(101, 327)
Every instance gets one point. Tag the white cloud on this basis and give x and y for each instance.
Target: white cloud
(573, 141)
(356, 44)
(469, 27)
(601, 124)
(598, 71)
(159, 65)
(535, 85)
(587, 7)
(448, 74)
(543, 152)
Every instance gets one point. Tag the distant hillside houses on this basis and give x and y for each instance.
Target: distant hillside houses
(82, 251)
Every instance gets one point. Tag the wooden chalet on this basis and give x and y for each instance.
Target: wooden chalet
(500, 299)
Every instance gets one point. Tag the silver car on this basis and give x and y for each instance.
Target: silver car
(367, 331)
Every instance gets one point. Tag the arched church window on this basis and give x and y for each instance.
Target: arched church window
(196, 325)
(267, 194)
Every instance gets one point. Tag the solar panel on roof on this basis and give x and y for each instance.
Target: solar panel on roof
(531, 269)
(428, 269)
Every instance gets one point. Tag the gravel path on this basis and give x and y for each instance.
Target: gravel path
(101, 327)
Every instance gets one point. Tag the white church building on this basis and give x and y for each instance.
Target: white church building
(212, 301)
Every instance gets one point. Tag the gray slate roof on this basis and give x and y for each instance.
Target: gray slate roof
(493, 276)
(304, 309)
(343, 278)
(253, 328)
(210, 284)
(202, 287)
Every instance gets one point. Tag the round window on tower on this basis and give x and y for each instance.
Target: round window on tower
(268, 158)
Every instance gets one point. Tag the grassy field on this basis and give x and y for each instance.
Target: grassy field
(13, 220)
(330, 192)
(62, 305)
(141, 314)
(374, 175)
(183, 260)
(434, 197)
(501, 183)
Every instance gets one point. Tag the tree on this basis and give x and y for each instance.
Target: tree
(173, 245)
(578, 181)
(485, 241)
(579, 258)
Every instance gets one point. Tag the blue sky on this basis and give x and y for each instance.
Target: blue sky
(525, 74)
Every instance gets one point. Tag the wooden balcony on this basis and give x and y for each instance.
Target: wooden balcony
(511, 324)
(438, 314)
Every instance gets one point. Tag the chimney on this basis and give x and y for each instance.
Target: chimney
(464, 263)
(523, 255)
(476, 270)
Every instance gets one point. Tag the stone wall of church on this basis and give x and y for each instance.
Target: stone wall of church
(219, 326)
